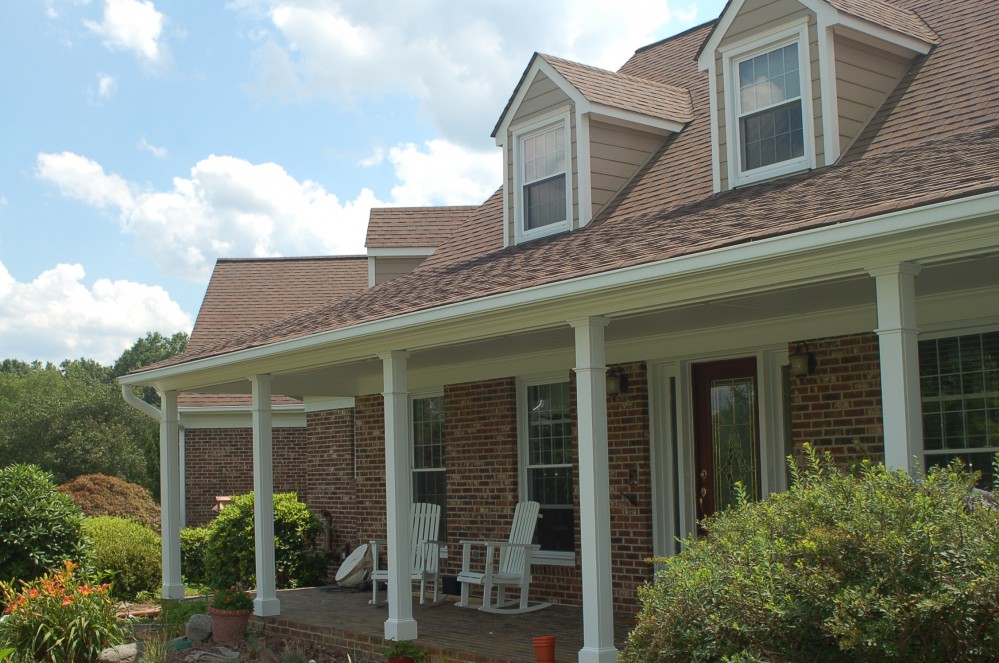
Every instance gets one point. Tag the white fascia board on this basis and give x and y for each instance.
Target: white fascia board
(405, 252)
(631, 119)
(283, 416)
(707, 55)
(726, 258)
(313, 404)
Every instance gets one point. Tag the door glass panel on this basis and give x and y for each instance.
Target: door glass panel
(733, 438)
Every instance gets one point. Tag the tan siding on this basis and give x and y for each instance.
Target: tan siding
(616, 154)
(864, 78)
(388, 268)
(541, 97)
(757, 15)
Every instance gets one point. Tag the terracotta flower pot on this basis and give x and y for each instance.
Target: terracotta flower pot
(544, 648)
(404, 659)
(228, 625)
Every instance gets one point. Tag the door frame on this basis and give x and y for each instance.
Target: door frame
(672, 437)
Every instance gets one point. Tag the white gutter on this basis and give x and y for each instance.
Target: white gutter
(139, 404)
(870, 228)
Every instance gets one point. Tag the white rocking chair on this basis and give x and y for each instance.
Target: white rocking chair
(513, 567)
(424, 552)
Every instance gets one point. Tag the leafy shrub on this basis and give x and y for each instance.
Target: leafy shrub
(868, 567)
(194, 555)
(231, 560)
(41, 527)
(61, 617)
(101, 495)
(128, 552)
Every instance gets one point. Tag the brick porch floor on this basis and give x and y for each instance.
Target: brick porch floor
(343, 620)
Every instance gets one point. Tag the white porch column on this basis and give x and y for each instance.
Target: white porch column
(173, 586)
(266, 603)
(400, 624)
(594, 492)
(898, 342)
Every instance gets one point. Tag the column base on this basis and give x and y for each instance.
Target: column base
(400, 629)
(591, 655)
(266, 607)
(173, 591)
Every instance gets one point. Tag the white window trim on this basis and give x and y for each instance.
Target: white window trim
(542, 557)
(731, 56)
(543, 123)
(414, 396)
(952, 331)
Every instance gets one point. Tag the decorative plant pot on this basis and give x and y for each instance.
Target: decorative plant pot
(404, 659)
(228, 625)
(544, 648)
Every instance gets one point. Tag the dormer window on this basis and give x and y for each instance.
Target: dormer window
(768, 101)
(770, 108)
(542, 167)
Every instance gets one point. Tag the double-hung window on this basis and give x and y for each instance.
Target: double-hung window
(543, 178)
(429, 483)
(546, 429)
(766, 90)
(959, 389)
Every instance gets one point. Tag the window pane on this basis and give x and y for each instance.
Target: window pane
(549, 460)
(544, 202)
(960, 400)
(772, 136)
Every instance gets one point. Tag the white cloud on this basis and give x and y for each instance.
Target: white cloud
(132, 25)
(155, 150)
(444, 173)
(229, 207)
(57, 316)
(106, 85)
(461, 60)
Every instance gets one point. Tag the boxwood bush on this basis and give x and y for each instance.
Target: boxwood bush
(864, 566)
(41, 528)
(230, 560)
(128, 552)
(194, 555)
(101, 495)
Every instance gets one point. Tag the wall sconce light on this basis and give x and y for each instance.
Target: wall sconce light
(802, 362)
(617, 381)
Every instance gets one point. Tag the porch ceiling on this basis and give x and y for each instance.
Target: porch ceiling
(781, 315)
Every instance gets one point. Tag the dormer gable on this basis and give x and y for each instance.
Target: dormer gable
(399, 239)
(573, 135)
(794, 82)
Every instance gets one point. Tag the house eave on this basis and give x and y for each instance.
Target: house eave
(485, 315)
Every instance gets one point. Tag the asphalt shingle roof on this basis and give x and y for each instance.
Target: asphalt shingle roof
(936, 138)
(407, 227)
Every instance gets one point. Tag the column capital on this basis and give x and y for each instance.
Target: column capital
(261, 378)
(592, 321)
(394, 354)
(895, 268)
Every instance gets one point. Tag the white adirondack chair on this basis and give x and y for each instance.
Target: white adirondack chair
(510, 568)
(424, 551)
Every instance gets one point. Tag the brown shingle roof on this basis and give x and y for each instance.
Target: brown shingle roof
(888, 15)
(631, 93)
(247, 293)
(408, 227)
(191, 399)
(936, 138)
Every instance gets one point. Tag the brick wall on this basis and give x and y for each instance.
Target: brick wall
(219, 461)
(330, 476)
(838, 407)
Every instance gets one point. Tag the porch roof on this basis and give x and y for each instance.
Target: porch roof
(934, 140)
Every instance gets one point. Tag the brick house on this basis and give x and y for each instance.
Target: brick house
(777, 227)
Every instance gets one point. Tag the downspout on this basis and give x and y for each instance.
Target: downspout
(139, 404)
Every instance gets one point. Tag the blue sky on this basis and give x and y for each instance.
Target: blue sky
(146, 139)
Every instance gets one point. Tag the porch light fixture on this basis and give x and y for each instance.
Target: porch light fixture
(802, 362)
(617, 381)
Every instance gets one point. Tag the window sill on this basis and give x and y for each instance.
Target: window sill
(553, 558)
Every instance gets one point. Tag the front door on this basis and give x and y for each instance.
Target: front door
(726, 433)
